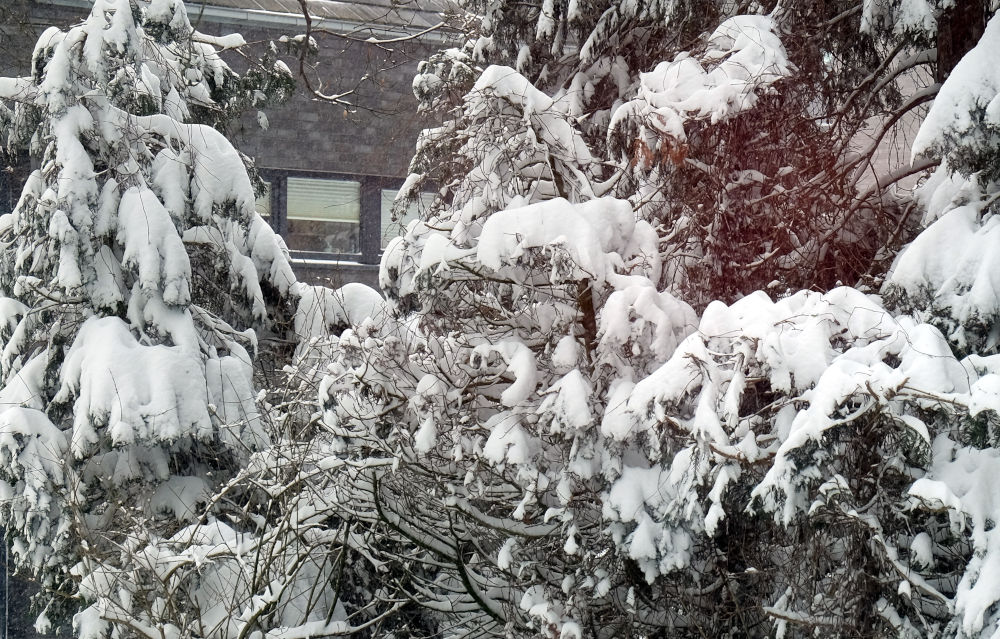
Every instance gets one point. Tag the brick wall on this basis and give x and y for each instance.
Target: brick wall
(374, 138)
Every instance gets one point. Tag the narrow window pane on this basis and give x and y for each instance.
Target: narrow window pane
(264, 202)
(323, 215)
(392, 229)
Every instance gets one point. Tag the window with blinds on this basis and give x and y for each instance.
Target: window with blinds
(323, 215)
(392, 229)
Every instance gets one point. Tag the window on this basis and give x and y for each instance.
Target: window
(264, 202)
(391, 229)
(335, 216)
(323, 215)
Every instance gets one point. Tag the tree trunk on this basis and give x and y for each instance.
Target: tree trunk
(959, 29)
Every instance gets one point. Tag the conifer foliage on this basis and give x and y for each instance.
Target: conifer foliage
(577, 441)
(127, 387)
(617, 386)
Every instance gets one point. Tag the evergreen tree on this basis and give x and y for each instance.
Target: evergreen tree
(556, 445)
(771, 185)
(134, 273)
(572, 417)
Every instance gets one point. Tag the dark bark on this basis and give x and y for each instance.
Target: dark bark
(959, 29)
(585, 300)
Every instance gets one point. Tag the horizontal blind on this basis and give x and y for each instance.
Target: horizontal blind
(323, 200)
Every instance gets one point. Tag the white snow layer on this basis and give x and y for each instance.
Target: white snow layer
(744, 58)
(950, 274)
(967, 107)
(838, 354)
(140, 394)
(595, 235)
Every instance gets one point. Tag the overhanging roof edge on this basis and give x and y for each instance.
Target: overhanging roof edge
(261, 18)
